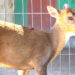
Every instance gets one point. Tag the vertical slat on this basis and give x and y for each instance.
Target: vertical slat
(32, 13)
(54, 4)
(18, 9)
(72, 3)
(21, 7)
(37, 17)
(23, 12)
(45, 17)
(9, 5)
(41, 13)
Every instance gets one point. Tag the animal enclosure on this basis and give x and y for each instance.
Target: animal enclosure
(33, 13)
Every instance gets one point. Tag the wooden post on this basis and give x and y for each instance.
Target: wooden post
(7, 10)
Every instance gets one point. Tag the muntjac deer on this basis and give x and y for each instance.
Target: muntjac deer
(24, 49)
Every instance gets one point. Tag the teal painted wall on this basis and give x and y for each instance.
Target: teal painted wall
(20, 18)
(62, 2)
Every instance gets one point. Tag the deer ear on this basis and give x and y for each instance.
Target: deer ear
(66, 6)
(52, 11)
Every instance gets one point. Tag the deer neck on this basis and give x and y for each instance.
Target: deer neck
(58, 37)
(58, 40)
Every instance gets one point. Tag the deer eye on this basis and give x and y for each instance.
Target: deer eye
(70, 18)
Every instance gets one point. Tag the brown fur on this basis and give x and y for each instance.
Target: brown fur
(24, 49)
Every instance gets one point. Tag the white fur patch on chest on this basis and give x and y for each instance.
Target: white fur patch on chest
(68, 35)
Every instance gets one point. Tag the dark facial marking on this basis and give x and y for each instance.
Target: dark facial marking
(70, 18)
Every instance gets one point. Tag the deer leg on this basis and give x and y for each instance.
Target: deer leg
(41, 71)
(26, 72)
(23, 72)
